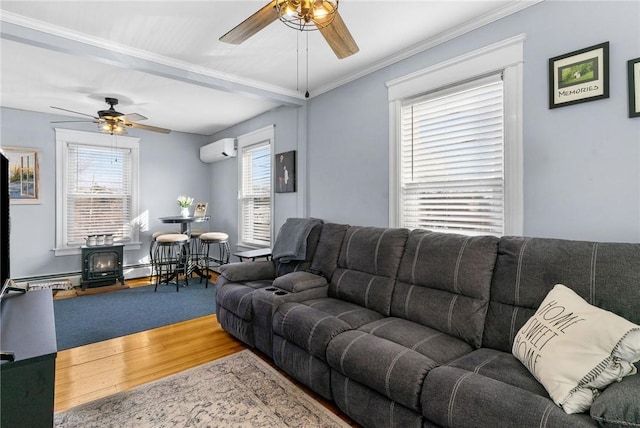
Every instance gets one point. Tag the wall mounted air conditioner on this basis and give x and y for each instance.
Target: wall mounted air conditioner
(218, 150)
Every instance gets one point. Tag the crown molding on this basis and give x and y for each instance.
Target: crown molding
(508, 9)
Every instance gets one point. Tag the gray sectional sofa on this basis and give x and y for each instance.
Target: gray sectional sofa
(415, 328)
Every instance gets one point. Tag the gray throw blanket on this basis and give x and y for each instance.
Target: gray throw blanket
(291, 243)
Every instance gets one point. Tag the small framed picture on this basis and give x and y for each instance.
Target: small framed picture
(286, 172)
(633, 71)
(201, 209)
(579, 76)
(24, 175)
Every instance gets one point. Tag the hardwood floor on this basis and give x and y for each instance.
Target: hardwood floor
(99, 369)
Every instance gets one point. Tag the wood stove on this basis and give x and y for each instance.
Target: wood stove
(102, 265)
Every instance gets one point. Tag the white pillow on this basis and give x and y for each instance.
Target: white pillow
(575, 349)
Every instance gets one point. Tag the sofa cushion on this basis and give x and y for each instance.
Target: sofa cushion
(500, 366)
(233, 324)
(362, 289)
(444, 282)
(456, 397)
(574, 348)
(248, 271)
(375, 250)
(619, 406)
(354, 315)
(392, 370)
(295, 282)
(604, 274)
(325, 259)
(369, 408)
(311, 371)
(431, 343)
(367, 266)
(237, 297)
(308, 328)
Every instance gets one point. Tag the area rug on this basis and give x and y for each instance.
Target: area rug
(240, 390)
(87, 319)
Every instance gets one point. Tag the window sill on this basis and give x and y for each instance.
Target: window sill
(73, 251)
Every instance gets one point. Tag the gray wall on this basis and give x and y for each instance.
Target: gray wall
(289, 126)
(581, 162)
(169, 166)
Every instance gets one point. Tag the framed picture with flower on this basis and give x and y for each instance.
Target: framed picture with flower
(579, 76)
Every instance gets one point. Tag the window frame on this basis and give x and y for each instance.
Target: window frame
(507, 57)
(266, 134)
(67, 136)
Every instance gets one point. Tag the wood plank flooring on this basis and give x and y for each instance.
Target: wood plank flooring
(99, 369)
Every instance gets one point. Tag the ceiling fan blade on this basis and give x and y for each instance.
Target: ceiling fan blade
(252, 24)
(147, 127)
(76, 112)
(338, 37)
(132, 117)
(75, 121)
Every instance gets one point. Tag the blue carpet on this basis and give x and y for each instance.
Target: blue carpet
(87, 319)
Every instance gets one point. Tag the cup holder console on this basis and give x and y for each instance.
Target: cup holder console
(276, 291)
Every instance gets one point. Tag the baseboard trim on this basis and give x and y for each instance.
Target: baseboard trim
(130, 272)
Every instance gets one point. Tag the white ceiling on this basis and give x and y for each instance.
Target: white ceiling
(162, 59)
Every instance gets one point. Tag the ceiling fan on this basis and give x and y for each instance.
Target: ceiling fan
(112, 121)
(303, 15)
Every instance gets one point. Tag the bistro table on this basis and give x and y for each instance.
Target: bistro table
(185, 222)
(185, 228)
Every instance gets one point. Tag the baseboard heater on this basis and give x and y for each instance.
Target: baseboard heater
(138, 270)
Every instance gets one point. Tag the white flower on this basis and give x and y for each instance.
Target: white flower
(185, 201)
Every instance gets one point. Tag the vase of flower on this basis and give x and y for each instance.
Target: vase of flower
(185, 202)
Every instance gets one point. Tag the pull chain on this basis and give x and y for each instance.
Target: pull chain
(297, 62)
(306, 94)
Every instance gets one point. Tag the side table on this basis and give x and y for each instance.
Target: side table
(254, 254)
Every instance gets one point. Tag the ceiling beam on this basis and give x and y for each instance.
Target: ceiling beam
(18, 29)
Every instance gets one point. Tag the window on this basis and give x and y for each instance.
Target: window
(456, 144)
(451, 164)
(96, 180)
(255, 196)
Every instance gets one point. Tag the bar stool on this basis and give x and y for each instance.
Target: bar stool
(195, 249)
(152, 248)
(170, 257)
(219, 238)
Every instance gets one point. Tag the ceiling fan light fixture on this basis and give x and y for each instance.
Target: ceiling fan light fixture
(112, 128)
(307, 15)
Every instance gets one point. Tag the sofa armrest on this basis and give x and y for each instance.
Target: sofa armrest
(248, 271)
(299, 281)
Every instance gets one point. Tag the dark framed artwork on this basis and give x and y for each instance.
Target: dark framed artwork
(285, 172)
(633, 71)
(579, 76)
(24, 175)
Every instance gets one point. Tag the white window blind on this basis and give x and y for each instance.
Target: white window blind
(452, 159)
(96, 189)
(255, 196)
(99, 196)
